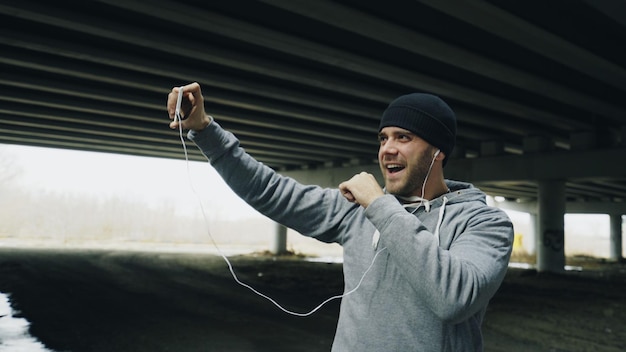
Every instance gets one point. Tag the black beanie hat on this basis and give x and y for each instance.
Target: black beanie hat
(427, 116)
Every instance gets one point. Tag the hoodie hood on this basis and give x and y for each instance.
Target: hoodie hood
(435, 210)
(463, 192)
(459, 192)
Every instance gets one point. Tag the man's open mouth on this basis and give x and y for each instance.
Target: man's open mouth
(393, 168)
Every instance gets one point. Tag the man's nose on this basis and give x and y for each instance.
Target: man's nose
(389, 147)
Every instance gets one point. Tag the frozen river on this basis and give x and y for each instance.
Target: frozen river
(14, 336)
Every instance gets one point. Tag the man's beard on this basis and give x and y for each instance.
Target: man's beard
(415, 178)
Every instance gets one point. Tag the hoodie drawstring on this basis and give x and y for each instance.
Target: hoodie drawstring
(440, 219)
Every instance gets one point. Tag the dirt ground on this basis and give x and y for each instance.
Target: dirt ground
(111, 300)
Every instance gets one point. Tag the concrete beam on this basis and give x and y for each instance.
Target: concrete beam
(537, 144)
(332, 177)
(556, 165)
(610, 208)
(601, 163)
(492, 148)
(583, 140)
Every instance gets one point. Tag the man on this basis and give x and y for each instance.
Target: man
(437, 252)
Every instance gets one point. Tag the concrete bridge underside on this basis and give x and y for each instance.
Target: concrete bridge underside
(538, 87)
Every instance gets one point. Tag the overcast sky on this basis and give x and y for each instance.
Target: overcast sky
(103, 175)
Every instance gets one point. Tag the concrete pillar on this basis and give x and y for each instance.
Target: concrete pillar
(279, 242)
(551, 241)
(532, 247)
(615, 253)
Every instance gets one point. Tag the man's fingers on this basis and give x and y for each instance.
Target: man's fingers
(188, 103)
(345, 191)
(172, 97)
(361, 189)
(191, 95)
(348, 195)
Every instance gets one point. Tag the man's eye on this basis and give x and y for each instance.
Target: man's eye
(382, 139)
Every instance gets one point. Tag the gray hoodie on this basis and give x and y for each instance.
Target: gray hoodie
(433, 269)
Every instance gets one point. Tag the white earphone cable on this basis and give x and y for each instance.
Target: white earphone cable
(178, 117)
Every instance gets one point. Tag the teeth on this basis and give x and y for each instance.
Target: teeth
(394, 166)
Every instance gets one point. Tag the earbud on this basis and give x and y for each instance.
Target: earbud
(437, 153)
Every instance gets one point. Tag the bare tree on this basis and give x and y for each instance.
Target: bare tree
(9, 170)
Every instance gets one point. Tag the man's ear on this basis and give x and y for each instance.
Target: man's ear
(439, 155)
